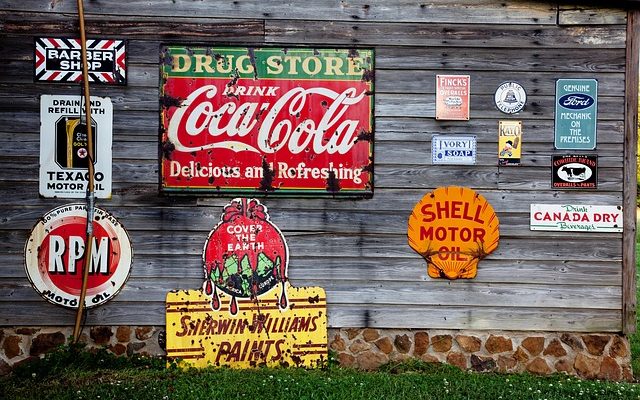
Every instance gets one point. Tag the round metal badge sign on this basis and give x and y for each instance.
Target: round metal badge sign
(510, 97)
(55, 256)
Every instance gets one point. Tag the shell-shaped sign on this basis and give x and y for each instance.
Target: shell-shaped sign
(453, 228)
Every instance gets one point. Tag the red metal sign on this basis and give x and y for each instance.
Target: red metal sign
(54, 256)
(267, 120)
(245, 255)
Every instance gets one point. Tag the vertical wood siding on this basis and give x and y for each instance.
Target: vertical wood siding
(355, 249)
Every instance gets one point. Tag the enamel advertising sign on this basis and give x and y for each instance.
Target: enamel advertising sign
(267, 120)
(452, 97)
(576, 114)
(247, 314)
(509, 142)
(453, 228)
(60, 60)
(576, 218)
(64, 151)
(453, 149)
(574, 172)
(55, 256)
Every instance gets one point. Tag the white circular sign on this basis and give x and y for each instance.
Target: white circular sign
(55, 256)
(510, 97)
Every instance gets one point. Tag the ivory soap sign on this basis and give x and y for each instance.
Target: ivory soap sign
(271, 120)
(247, 314)
(64, 146)
(453, 228)
(574, 217)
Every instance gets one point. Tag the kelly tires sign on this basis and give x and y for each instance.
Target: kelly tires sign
(55, 256)
(64, 146)
(281, 121)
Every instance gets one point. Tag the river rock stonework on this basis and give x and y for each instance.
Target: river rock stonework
(590, 356)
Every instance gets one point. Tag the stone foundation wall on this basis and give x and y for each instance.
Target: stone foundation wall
(591, 356)
(602, 356)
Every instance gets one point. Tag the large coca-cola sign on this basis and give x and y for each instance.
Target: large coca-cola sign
(267, 120)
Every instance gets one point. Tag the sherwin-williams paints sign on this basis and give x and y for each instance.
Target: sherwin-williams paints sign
(453, 228)
(267, 120)
(247, 314)
(576, 114)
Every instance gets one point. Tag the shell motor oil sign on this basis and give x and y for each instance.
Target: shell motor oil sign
(282, 121)
(55, 256)
(453, 228)
(247, 313)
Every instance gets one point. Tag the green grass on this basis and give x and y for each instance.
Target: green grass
(73, 374)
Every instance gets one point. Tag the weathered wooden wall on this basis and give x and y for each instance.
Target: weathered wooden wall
(356, 250)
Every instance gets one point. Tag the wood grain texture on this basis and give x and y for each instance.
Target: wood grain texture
(439, 11)
(356, 249)
(629, 294)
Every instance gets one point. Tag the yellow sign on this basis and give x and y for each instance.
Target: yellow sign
(261, 333)
(453, 228)
(509, 142)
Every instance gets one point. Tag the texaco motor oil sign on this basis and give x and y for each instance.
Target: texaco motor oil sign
(55, 256)
(283, 121)
(64, 151)
(246, 313)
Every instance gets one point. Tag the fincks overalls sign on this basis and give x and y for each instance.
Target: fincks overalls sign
(281, 121)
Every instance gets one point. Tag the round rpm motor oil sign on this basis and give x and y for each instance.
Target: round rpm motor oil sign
(55, 256)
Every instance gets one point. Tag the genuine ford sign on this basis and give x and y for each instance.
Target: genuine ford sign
(576, 101)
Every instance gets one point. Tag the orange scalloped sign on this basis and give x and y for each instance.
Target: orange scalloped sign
(453, 228)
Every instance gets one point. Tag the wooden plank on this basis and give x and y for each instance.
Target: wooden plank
(505, 60)
(379, 316)
(538, 107)
(432, 293)
(629, 276)
(439, 11)
(533, 178)
(585, 15)
(436, 35)
(387, 80)
(169, 267)
(534, 130)
(140, 128)
(132, 194)
(233, 30)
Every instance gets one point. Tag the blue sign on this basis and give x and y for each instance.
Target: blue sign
(576, 114)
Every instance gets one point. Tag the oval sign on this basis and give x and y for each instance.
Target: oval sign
(55, 256)
(575, 172)
(576, 101)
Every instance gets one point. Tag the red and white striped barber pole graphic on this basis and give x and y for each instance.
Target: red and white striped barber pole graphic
(60, 60)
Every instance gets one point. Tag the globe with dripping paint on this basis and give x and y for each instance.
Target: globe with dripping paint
(245, 256)
(453, 228)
